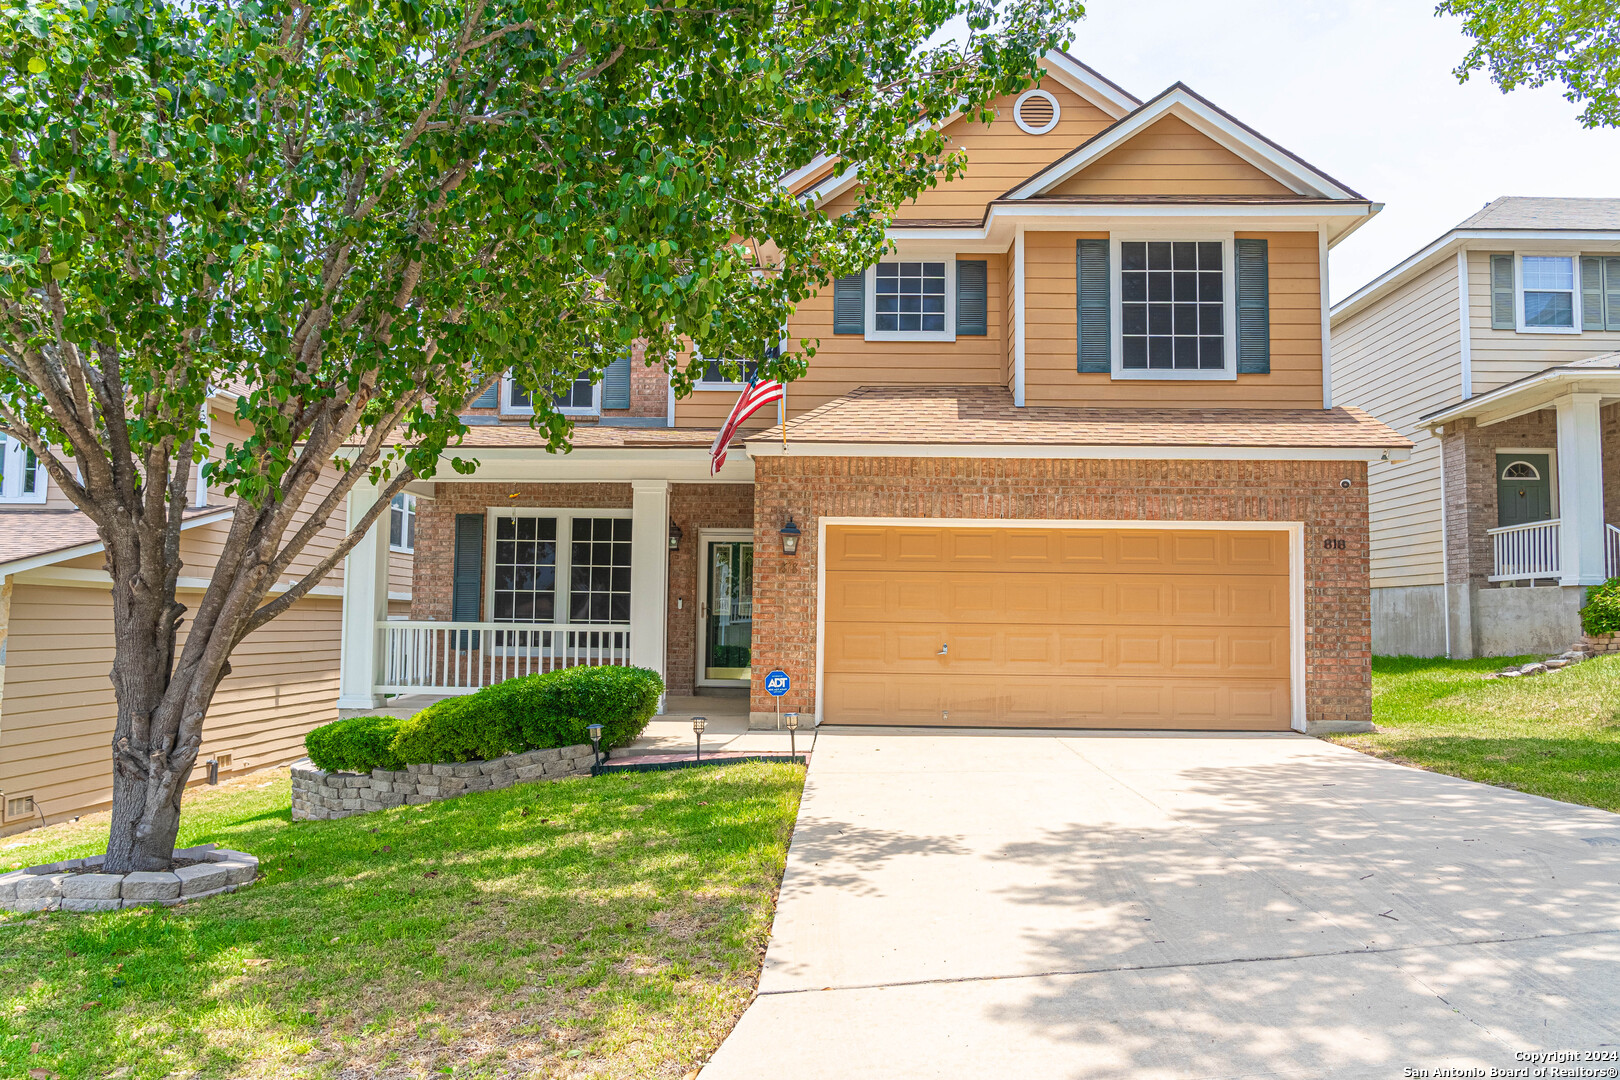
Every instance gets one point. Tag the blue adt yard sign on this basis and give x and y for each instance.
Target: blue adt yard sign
(776, 683)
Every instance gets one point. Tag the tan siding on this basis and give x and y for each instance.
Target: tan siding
(1295, 381)
(1170, 157)
(401, 571)
(59, 708)
(845, 361)
(1500, 356)
(1000, 155)
(1400, 359)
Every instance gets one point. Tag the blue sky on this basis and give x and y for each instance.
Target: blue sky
(1363, 91)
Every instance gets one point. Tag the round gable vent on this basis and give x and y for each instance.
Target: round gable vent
(1036, 112)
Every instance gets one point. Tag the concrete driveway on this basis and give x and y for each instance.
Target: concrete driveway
(1175, 905)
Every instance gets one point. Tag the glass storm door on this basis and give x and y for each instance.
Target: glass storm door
(1523, 489)
(728, 611)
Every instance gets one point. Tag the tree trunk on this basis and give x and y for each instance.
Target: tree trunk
(126, 851)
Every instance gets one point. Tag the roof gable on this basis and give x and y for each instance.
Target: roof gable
(1195, 116)
(1169, 157)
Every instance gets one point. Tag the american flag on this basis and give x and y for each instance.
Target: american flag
(759, 392)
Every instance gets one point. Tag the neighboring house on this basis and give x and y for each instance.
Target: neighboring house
(56, 648)
(1493, 349)
(1068, 457)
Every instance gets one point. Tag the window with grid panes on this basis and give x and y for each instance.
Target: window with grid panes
(1172, 305)
(910, 296)
(599, 571)
(525, 569)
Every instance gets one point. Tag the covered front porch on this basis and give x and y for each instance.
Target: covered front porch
(1531, 500)
(619, 554)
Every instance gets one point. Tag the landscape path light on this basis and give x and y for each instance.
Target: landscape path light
(698, 724)
(596, 742)
(793, 742)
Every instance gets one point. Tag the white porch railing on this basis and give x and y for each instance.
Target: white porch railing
(460, 657)
(1611, 551)
(1525, 551)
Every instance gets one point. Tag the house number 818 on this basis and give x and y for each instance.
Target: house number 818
(1333, 544)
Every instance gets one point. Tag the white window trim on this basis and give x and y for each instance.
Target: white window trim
(508, 409)
(1018, 112)
(410, 510)
(1518, 292)
(11, 492)
(1116, 310)
(870, 299)
(565, 529)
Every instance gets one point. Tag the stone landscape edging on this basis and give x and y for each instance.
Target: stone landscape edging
(51, 887)
(318, 795)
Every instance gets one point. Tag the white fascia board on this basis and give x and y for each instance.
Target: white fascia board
(1284, 168)
(1473, 239)
(533, 465)
(792, 179)
(50, 558)
(997, 232)
(1529, 395)
(1104, 452)
(1110, 98)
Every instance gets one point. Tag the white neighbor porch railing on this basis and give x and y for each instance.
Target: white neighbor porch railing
(460, 657)
(1525, 551)
(1531, 551)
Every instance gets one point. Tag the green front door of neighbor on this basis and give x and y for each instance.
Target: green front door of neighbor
(1523, 489)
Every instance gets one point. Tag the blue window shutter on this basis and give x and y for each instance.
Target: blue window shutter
(1591, 293)
(1253, 307)
(1502, 293)
(467, 582)
(616, 384)
(490, 398)
(972, 295)
(849, 304)
(1611, 293)
(1095, 341)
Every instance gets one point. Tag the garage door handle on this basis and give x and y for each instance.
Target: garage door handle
(943, 649)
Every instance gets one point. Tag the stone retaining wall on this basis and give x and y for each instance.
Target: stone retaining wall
(318, 795)
(73, 884)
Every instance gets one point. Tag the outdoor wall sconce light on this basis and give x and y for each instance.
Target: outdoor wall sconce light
(698, 724)
(790, 537)
(793, 742)
(596, 743)
(674, 535)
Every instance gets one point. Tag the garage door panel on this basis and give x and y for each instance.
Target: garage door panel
(1179, 551)
(1113, 599)
(984, 648)
(1058, 701)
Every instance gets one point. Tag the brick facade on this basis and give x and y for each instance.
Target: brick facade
(695, 507)
(1469, 457)
(1338, 640)
(436, 527)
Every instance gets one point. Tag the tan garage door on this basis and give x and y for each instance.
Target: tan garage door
(1149, 628)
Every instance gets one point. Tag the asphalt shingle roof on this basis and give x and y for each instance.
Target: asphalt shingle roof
(1520, 212)
(986, 415)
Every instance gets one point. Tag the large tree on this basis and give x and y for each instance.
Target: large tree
(356, 213)
(1536, 42)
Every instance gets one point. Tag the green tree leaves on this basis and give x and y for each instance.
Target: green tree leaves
(1536, 42)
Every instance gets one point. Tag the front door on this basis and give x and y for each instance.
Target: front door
(728, 611)
(1523, 489)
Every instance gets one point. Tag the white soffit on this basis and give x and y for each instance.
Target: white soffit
(1181, 102)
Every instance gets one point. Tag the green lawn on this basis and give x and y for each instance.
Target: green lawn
(1556, 735)
(604, 927)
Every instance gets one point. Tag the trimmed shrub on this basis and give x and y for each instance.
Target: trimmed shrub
(357, 744)
(459, 729)
(1601, 615)
(559, 705)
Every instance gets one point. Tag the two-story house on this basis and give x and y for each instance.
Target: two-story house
(1068, 457)
(1494, 350)
(58, 711)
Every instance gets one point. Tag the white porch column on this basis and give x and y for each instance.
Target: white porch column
(365, 604)
(1580, 490)
(649, 572)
